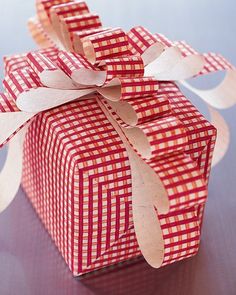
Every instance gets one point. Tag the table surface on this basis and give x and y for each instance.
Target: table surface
(29, 261)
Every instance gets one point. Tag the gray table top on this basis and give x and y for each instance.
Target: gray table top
(29, 261)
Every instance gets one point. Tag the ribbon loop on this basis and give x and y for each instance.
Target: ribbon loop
(16, 62)
(21, 81)
(72, 24)
(72, 63)
(131, 113)
(129, 67)
(109, 44)
(165, 135)
(79, 35)
(49, 74)
(140, 40)
(62, 11)
(182, 180)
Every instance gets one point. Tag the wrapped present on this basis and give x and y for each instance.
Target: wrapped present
(115, 159)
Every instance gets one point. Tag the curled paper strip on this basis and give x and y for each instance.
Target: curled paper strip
(223, 132)
(221, 97)
(128, 73)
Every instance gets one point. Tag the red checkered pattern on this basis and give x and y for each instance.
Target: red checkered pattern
(181, 235)
(19, 81)
(129, 67)
(193, 121)
(48, 4)
(64, 226)
(215, 62)
(50, 53)
(69, 9)
(185, 48)
(79, 35)
(140, 40)
(70, 62)
(43, 15)
(14, 63)
(164, 40)
(22, 61)
(93, 240)
(185, 199)
(80, 23)
(138, 87)
(7, 104)
(40, 62)
(166, 135)
(81, 185)
(183, 182)
(109, 44)
(180, 179)
(149, 108)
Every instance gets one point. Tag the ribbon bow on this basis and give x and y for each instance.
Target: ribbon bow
(124, 72)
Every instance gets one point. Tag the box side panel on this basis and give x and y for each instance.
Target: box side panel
(201, 135)
(73, 162)
(47, 179)
(101, 168)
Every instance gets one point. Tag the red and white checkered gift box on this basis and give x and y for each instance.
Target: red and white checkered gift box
(116, 161)
(78, 177)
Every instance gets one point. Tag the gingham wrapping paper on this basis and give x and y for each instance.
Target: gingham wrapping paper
(81, 186)
(53, 212)
(84, 196)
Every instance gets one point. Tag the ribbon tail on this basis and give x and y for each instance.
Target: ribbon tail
(223, 138)
(146, 223)
(11, 122)
(222, 96)
(172, 66)
(42, 98)
(10, 176)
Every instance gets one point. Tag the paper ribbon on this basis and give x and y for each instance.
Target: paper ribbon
(125, 71)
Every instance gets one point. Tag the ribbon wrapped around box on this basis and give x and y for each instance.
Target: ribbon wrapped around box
(115, 159)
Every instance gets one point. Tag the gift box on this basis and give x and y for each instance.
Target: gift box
(116, 160)
(78, 177)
